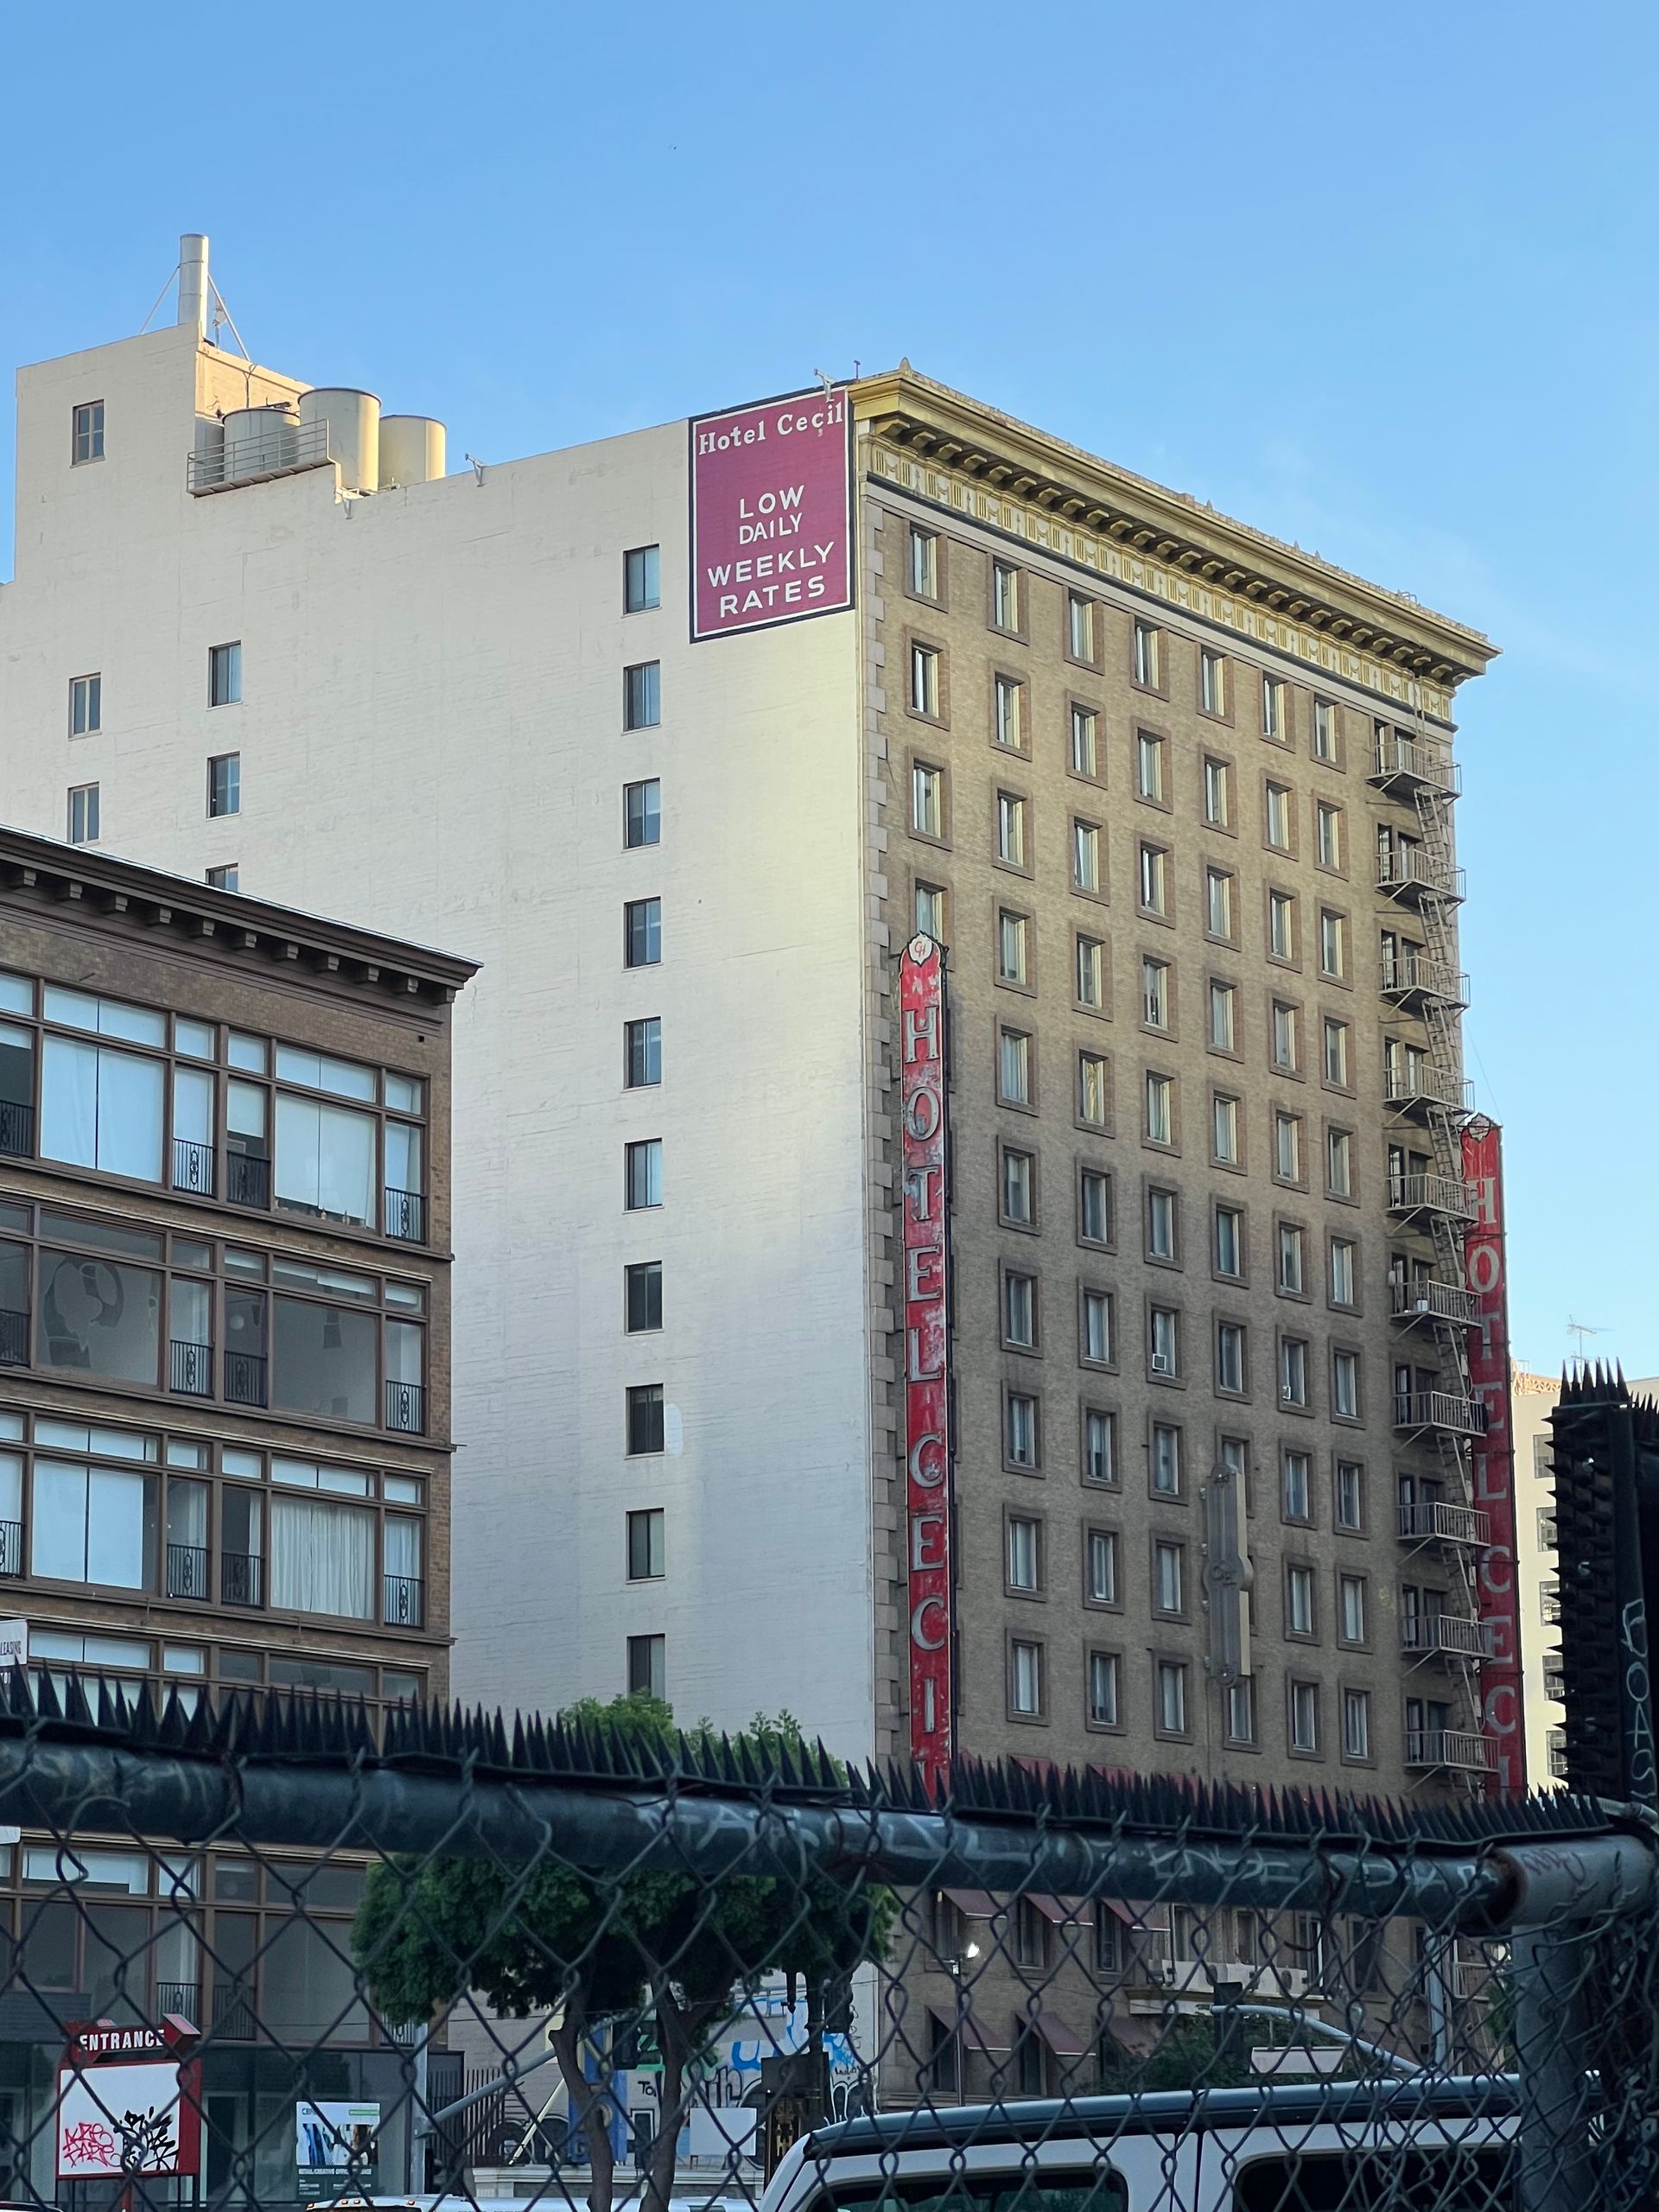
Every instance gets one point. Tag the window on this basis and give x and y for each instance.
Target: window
(1273, 707)
(1160, 1225)
(1100, 1555)
(1349, 1487)
(1230, 1358)
(1342, 1270)
(1097, 1350)
(642, 694)
(1336, 1051)
(1094, 1090)
(642, 1052)
(86, 432)
(645, 1407)
(1166, 1459)
(1091, 973)
(1218, 793)
(642, 579)
(1163, 1340)
(1149, 765)
(224, 675)
(1299, 1601)
(1288, 1147)
(1099, 1445)
(646, 1542)
(1292, 1371)
(925, 681)
(1345, 1385)
(1149, 656)
(1357, 1724)
(1212, 681)
(1334, 944)
(1013, 1067)
(1094, 1206)
(1304, 1716)
(1025, 1565)
(1026, 1679)
(1008, 706)
(1021, 1430)
(1019, 1311)
(642, 813)
(1327, 826)
(643, 1296)
(1281, 925)
(1018, 1179)
(1154, 993)
(1168, 1595)
(1013, 942)
(1278, 816)
(1154, 880)
(927, 800)
(1224, 1129)
(1005, 597)
(1351, 1593)
(1011, 829)
(1292, 1248)
(85, 705)
(923, 562)
(1085, 856)
(228, 878)
(1218, 903)
(1229, 1243)
(642, 932)
(1170, 1689)
(1325, 730)
(1085, 746)
(1105, 1686)
(1223, 1011)
(225, 784)
(1339, 1163)
(83, 814)
(1284, 1037)
(1241, 1710)
(1161, 1109)
(648, 1666)
(1296, 1487)
(643, 1175)
(1080, 636)
(930, 911)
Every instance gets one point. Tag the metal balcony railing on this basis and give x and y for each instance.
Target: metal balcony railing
(241, 1578)
(405, 1601)
(182, 1999)
(1454, 1748)
(233, 2020)
(189, 1571)
(1406, 871)
(14, 1338)
(405, 1215)
(11, 1547)
(192, 1167)
(276, 449)
(16, 1130)
(1430, 1193)
(190, 1369)
(1438, 1522)
(247, 1180)
(1443, 1411)
(1414, 1084)
(245, 1379)
(1449, 1635)
(1410, 978)
(406, 1408)
(1428, 1299)
(1410, 763)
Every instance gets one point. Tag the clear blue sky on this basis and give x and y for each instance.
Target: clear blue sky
(1377, 279)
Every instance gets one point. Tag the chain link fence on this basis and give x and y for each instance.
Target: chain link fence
(260, 1955)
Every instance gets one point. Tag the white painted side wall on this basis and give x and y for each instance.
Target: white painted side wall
(431, 743)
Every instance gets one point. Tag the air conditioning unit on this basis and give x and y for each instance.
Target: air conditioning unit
(1162, 1363)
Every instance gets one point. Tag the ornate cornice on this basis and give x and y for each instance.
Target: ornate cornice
(956, 451)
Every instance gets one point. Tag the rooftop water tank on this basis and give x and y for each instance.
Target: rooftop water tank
(411, 450)
(353, 420)
(258, 439)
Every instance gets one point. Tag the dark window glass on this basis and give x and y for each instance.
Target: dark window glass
(646, 1418)
(225, 784)
(645, 1295)
(642, 932)
(643, 813)
(642, 695)
(642, 578)
(643, 1052)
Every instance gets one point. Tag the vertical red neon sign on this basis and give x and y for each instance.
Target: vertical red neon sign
(1498, 1599)
(927, 1382)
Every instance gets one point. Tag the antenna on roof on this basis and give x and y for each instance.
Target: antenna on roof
(1581, 1330)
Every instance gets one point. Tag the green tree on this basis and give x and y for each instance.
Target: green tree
(592, 1950)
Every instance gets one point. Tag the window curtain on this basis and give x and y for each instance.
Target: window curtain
(325, 1159)
(323, 1557)
(193, 1106)
(89, 1525)
(102, 1109)
(402, 1547)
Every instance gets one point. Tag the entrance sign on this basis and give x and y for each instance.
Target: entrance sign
(929, 1504)
(771, 513)
(1498, 1598)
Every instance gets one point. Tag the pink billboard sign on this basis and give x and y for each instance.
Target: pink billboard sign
(771, 513)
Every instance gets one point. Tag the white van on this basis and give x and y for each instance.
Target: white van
(1320, 2146)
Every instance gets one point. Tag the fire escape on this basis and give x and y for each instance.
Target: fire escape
(1436, 1415)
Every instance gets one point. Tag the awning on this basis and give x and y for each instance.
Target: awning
(977, 1904)
(1152, 1919)
(1063, 2042)
(1063, 1912)
(973, 2035)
